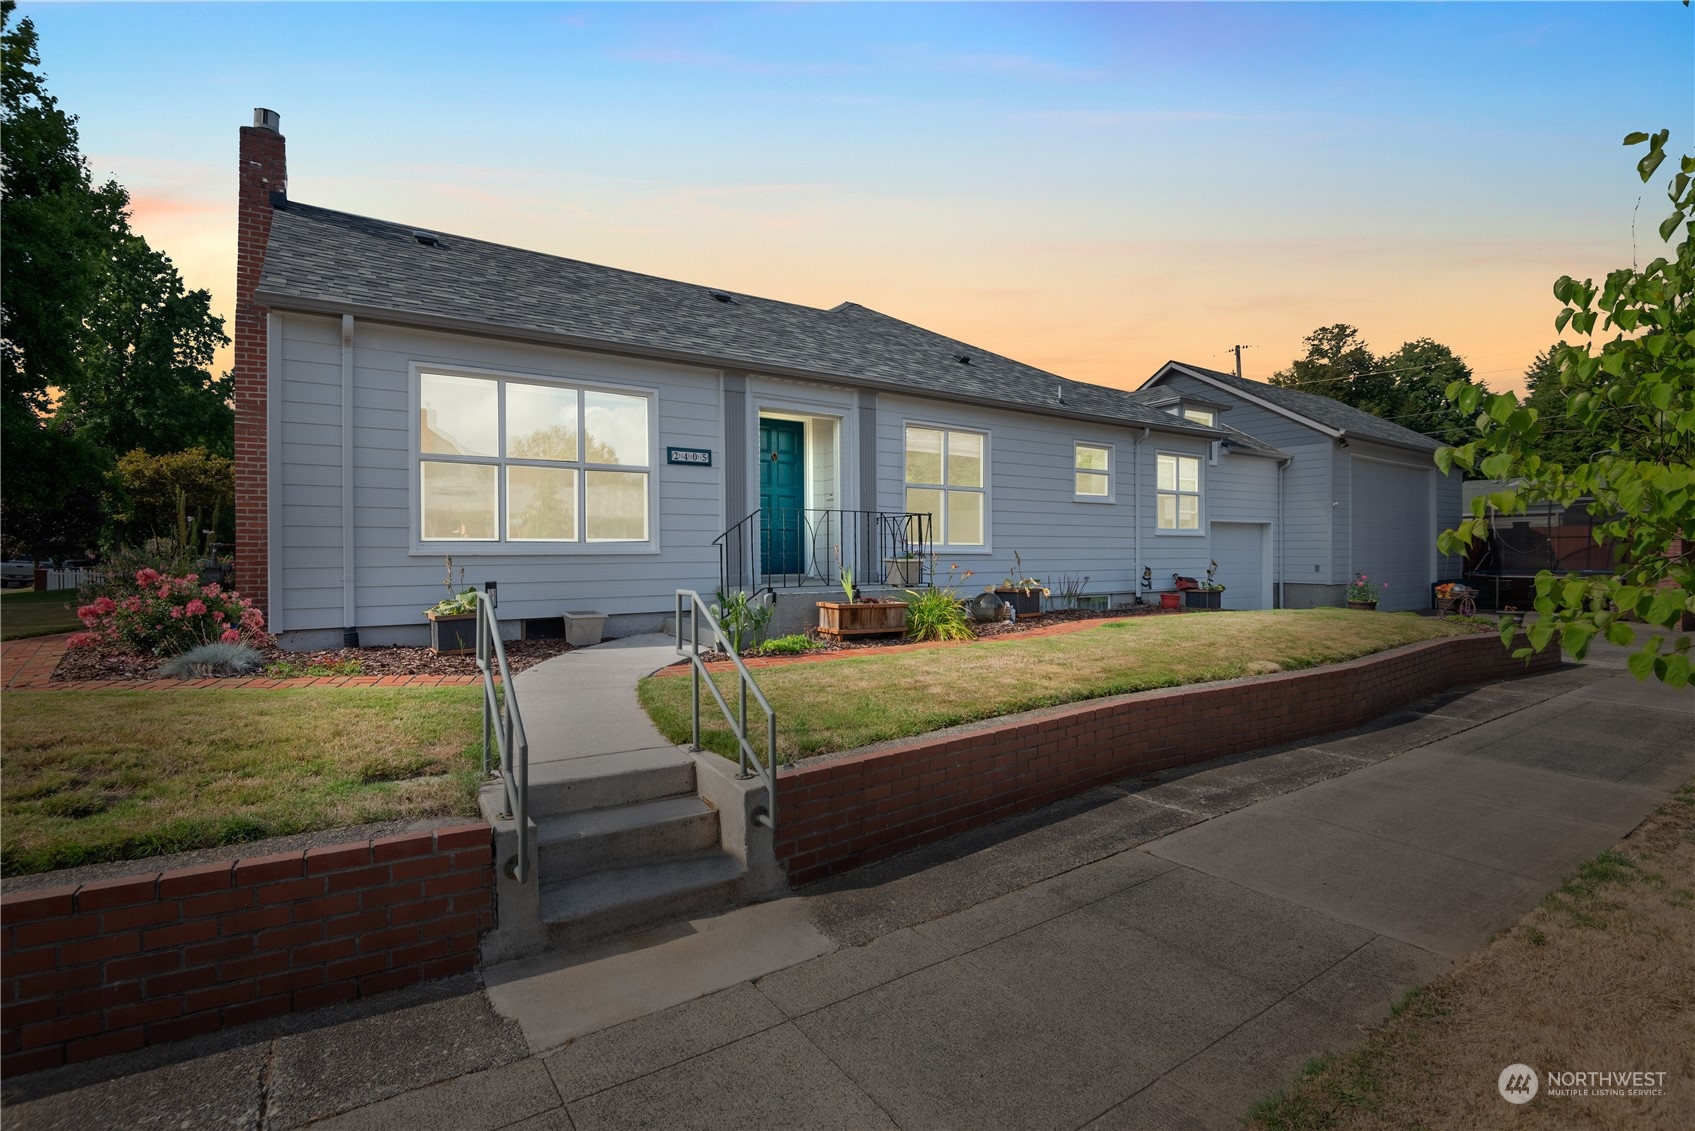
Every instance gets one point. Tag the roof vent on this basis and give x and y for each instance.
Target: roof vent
(721, 296)
(428, 239)
(962, 358)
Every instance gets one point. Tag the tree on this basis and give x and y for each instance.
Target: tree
(179, 495)
(1560, 442)
(1630, 401)
(102, 348)
(1405, 387)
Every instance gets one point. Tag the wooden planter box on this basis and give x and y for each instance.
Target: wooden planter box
(1369, 605)
(837, 619)
(453, 636)
(1203, 599)
(1024, 602)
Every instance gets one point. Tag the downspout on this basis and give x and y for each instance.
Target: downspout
(349, 631)
(1278, 564)
(1136, 510)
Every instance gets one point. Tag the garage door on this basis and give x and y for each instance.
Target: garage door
(1239, 549)
(1392, 531)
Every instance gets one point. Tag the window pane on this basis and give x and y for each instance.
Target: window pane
(923, 456)
(541, 504)
(1188, 474)
(1091, 459)
(965, 460)
(965, 518)
(616, 507)
(541, 422)
(458, 500)
(1091, 483)
(615, 429)
(1188, 512)
(1168, 512)
(1199, 415)
(926, 501)
(1167, 473)
(457, 415)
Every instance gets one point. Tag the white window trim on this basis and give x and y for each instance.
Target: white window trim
(584, 383)
(1111, 451)
(987, 548)
(1199, 492)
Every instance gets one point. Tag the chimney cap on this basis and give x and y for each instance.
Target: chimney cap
(267, 119)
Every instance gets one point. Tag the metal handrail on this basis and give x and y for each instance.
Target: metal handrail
(749, 758)
(816, 543)
(503, 726)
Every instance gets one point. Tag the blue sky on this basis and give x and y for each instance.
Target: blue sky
(1090, 188)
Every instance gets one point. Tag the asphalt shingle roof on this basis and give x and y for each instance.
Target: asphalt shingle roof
(319, 259)
(1325, 410)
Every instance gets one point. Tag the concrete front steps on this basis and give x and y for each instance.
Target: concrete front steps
(621, 842)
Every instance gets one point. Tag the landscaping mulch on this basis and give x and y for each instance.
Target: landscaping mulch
(82, 664)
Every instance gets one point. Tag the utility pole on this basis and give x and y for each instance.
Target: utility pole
(1237, 350)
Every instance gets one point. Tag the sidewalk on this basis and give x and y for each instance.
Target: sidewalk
(1158, 953)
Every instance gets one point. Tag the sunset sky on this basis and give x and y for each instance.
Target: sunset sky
(1088, 188)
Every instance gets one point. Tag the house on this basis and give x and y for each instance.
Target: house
(1359, 494)
(595, 438)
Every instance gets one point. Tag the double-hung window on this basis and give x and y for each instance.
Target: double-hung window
(944, 479)
(1094, 471)
(1179, 492)
(505, 460)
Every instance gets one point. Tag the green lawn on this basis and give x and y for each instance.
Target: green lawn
(94, 776)
(857, 700)
(24, 612)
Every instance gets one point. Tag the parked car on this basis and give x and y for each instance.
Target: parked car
(17, 573)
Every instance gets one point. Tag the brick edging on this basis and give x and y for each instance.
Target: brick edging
(109, 966)
(844, 811)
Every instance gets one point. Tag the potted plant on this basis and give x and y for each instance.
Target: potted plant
(453, 619)
(905, 571)
(1362, 594)
(859, 616)
(1206, 595)
(1024, 594)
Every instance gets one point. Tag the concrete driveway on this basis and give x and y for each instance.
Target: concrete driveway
(1160, 953)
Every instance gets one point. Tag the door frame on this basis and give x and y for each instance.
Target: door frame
(800, 430)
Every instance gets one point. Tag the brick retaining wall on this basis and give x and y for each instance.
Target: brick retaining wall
(114, 965)
(841, 813)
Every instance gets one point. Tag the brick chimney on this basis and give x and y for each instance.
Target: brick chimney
(264, 181)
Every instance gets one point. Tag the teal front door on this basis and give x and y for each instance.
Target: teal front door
(782, 495)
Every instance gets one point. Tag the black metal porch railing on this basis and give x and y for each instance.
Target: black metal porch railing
(784, 549)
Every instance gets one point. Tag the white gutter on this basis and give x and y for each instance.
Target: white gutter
(349, 629)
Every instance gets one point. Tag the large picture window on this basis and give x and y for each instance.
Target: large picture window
(505, 460)
(1179, 492)
(945, 474)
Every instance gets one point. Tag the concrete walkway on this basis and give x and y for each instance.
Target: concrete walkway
(1159, 953)
(582, 704)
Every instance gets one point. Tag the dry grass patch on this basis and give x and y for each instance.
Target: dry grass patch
(1599, 978)
(857, 700)
(93, 776)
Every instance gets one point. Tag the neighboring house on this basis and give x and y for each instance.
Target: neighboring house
(1359, 494)
(595, 439)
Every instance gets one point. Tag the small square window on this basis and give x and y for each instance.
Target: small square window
(1093, 471)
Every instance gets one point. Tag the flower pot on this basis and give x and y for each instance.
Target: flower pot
(1024, 602)
(582, 630)
(1203, 599)
(837, 619)
(1169, 600)
(453, 636)
(904, 573)
(1368, 605)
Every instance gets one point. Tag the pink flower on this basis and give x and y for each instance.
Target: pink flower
(252, 618)
(132, 604)
(176, 612)
(83, 640)
(104, 605)
(218, 618)
(86, 613)
(196, 607)
(146, 577)
(164, 592)
(230, 636)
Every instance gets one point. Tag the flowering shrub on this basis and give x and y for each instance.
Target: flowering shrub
(1363, 591)
(165, 615)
